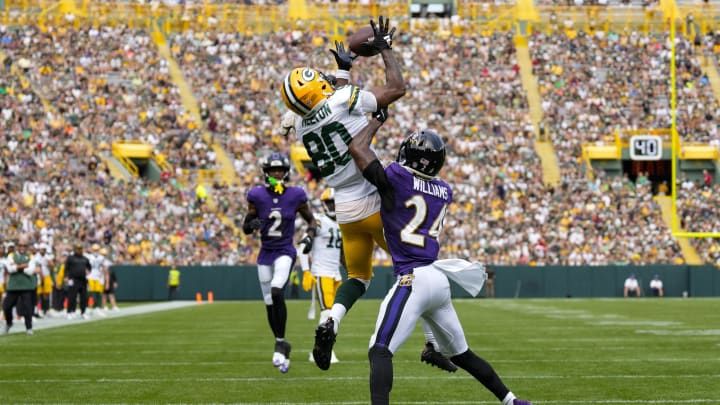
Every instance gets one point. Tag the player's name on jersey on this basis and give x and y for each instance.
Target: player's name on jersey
(319, 115)
(427, 187)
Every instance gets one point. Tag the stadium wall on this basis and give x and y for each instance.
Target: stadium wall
(149, 283)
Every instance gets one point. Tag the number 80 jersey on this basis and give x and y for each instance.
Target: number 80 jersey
(326, 133)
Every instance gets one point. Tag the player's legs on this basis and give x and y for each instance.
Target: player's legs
(281, 272)
(403, 305)
(47, 288)
(359, 240)
(272, 285)
(325, 288)
(450, 337)
(358, 245)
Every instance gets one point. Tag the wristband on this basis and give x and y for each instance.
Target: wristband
(343, 74)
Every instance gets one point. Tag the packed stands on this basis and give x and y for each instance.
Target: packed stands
(108, 83)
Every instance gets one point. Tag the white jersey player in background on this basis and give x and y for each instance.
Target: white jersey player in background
(323, 274)
(44, 260)
(96, 279)
(330, 115)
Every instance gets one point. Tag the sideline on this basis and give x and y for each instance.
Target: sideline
(61, 320)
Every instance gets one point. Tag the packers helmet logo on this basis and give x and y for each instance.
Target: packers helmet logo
(308, 75)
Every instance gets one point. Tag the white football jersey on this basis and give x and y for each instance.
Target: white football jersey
(43, 260)
(97, 264)
(326, 134)
(326, 249)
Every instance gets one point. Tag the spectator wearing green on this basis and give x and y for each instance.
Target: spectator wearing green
(21, 283)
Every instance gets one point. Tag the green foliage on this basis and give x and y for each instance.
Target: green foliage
(576, 351)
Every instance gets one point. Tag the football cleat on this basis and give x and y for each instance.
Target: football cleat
(278, 356)
(521, 402)
(285, 367)
(324, 341)
(436, 359)
(333, 358)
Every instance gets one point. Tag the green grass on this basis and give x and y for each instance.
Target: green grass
(577, 351)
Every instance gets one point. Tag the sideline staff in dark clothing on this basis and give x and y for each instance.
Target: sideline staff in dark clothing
(77, 267)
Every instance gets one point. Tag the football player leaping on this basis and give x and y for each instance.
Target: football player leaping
(329, 118)
(323, 275)
(272, 209)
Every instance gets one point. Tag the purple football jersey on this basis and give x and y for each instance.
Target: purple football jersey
(277, 211)
(413, 225)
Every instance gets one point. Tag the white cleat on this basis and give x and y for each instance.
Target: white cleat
(278, 359)
(333, 358)
(285, 366)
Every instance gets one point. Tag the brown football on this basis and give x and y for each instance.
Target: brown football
(359, 42)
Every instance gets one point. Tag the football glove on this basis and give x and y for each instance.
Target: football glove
(251, 225)
(383, 34)
(381, 114)
(307, 243)
(288, 122)
(307, 280)
(343, 58)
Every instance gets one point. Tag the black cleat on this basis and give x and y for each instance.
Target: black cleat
(324, 341)
(436, 359)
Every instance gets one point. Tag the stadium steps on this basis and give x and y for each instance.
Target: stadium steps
(688, 251)
(50, 108)
(709, 68)
(543, 147)
(190, 104)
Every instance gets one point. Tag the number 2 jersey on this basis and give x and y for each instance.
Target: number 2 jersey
(277, 212)
(326, 134)
(413, 224)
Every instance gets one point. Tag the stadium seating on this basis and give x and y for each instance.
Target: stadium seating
(71, 92)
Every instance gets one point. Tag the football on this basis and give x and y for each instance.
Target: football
(359, 42)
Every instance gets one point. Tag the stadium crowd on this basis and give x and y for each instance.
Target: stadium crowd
(83, 97)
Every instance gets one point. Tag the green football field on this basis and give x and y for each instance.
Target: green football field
(574, 351)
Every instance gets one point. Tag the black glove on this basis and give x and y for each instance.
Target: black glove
(381, 114)
(343, 58)
(307, 241)
(383, 35)
(249, 226)
(255, 224)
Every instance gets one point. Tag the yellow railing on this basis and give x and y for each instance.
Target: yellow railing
(476, 17)
(162, 162)
(128, 164)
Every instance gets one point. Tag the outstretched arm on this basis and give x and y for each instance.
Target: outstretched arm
(394, 84)
(360, 145)
(368, 162)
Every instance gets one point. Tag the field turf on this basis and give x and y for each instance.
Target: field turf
(562, 351)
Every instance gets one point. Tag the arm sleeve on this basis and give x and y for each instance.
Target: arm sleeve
(10, 265)
(363, 103)
(375, 174)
